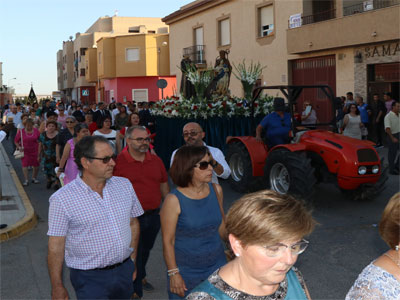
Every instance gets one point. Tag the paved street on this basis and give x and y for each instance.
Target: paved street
(345, 241)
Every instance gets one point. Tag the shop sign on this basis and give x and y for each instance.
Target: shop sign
(295, 21)
(85, 92)
(389, 49)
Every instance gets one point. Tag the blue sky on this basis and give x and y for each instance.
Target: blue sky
(32, 31)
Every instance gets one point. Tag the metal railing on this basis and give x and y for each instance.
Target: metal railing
(196, 54)
(319, 17)
(367, 6)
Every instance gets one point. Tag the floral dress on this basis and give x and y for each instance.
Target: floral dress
(374, 283)
(49, 154)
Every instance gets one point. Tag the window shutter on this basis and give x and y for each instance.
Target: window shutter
(132, 54)
(225, 37)
(140, 95)
(266, 20)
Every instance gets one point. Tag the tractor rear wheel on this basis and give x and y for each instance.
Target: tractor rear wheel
(241, 179)
(290, 173)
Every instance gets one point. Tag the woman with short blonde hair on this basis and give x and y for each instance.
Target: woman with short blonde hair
(265, 231)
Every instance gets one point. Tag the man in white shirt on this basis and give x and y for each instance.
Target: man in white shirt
(193, 135)
(15, 115)
(392, 128)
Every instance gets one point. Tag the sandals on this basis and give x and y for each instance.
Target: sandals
(25, 183)
(34, 180)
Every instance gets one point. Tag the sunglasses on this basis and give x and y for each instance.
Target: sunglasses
(203, 165)
(192, 133)
(105, 160)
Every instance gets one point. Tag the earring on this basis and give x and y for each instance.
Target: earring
(237, 254)
(397, 248)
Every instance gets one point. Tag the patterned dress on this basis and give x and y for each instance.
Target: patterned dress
(291, 288)
(49, 154)
(374, 283)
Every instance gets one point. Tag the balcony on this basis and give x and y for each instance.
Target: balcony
(319, 17)
(196, 54)
(358, 29)
(367, 6)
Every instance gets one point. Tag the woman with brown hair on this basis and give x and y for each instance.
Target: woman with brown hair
(47, 146)
(266, 233)
(192, 222)
(381, 278)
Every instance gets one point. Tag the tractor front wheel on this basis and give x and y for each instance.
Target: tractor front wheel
(241, 179)
(290, 173)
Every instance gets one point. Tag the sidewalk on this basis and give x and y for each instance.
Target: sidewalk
(15, 207)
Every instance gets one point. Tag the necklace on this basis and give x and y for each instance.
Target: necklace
(397, 262)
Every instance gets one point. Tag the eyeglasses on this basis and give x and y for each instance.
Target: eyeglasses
(278, 249)
(203, 165)
(192, 133)
(141, 140)
(105, 160)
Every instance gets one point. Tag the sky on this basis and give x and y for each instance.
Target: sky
(32, 31)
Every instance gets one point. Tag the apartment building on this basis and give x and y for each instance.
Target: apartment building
(352, 45)
(129, 67)
(74, 63)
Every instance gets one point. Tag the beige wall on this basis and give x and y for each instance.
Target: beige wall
(68, 53)
(83, 40)
(60, 80)
(270, 51)
(91, 64)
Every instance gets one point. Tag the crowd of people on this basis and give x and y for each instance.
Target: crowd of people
(116, 197)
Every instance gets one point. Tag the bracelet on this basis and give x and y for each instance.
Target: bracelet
(172, 272)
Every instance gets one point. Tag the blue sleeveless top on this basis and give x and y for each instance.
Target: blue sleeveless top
(198, 247)
(206, 290)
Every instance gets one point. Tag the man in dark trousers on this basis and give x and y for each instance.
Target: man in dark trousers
(149, 178)
(101, 113)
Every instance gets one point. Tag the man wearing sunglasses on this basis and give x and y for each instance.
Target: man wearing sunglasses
(93, 223)
(193, 135)
(276, 124)
(149, 178)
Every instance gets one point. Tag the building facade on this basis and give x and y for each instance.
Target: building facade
(81, 62)
(350, 45)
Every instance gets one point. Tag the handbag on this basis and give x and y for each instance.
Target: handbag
(18, 154)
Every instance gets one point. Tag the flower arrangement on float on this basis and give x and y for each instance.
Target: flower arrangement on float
(225, 107)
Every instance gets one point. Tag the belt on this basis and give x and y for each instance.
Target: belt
(151, 212)
(113, 266)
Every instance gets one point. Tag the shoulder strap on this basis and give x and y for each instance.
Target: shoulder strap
(220, 200)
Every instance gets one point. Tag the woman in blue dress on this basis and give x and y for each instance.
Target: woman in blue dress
(192, 222)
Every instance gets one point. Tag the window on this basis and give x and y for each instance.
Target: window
(198, 36)
(132, 54)
(82, 72)
(83, 51)
(151, 31)
(135, 29)
(140, 95)
(224, 32)
(265, 20)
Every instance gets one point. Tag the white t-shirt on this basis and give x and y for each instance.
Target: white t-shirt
(111, 137)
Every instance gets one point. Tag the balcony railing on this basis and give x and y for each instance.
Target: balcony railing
(195, 53)
(319, 17)
(367, 6)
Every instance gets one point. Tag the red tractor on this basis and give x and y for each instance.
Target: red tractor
(316, 153)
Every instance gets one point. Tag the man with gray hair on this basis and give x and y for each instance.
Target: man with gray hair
(149, 178)
(93, 224)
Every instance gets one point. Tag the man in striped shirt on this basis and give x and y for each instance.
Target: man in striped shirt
(93, 221)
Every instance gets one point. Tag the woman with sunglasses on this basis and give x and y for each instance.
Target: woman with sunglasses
(265, 231)
(352, 123)
(192, 222)
(67, 159)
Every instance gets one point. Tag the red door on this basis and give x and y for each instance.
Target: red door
(315, 71)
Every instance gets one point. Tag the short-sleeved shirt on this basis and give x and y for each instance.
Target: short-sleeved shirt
(62, 138)
(392, 121)
(97, 229)
(277, 128)
(145, 177)
(364, 109)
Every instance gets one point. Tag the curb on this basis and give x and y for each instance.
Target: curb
(29, 221)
